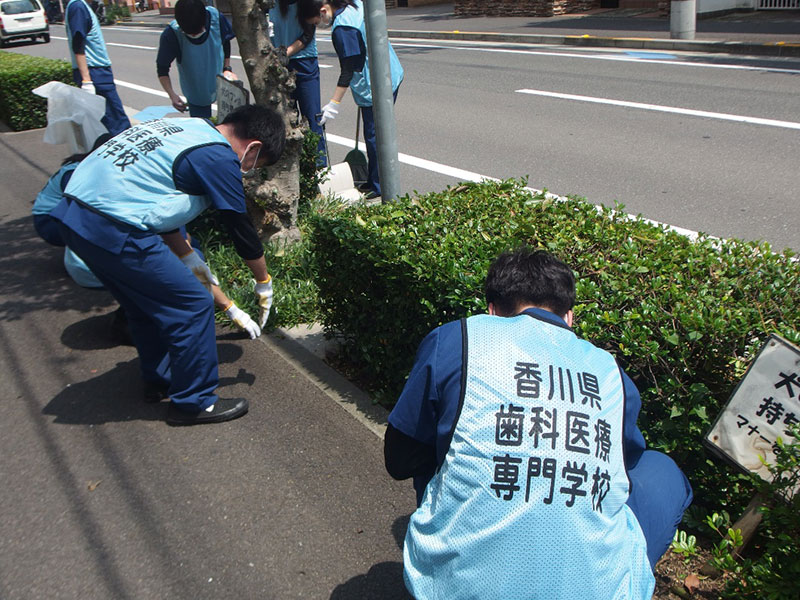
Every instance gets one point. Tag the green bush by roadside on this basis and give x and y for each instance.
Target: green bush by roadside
(683, 317)
(20, 109)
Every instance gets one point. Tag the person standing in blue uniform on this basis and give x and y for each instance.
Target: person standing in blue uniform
(91, 66)
(199, 39)
(348, 33)
(297, 36)
(153, 179)
(532, 476)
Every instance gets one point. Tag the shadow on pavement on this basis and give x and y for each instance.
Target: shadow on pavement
(383, 581)
(110, 397)
(116, 395)
(34, 278)
(400, 526)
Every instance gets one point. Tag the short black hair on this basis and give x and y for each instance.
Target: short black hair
(190, 15)
(530, 277)
(261, 123)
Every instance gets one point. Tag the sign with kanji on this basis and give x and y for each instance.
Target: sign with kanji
(230, 95)
(761, 408)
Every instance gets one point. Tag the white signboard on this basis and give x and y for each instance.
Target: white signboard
(761, 408)
(230, 95)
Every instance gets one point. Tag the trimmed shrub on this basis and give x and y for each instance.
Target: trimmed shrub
(20, 109)
(682, 317)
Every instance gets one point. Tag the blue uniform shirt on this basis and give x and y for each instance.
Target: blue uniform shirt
(427, 407)
(169, 48)
(83, 32)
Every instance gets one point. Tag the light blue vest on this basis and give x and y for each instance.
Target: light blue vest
(200, 63)
(130, 177)
(96, 54)
(78, 271)
(287, 31)
(359, 85)
(530, 500)
(51, 193)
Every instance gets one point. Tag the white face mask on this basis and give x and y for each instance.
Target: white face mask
(252, 170)
(194, 36)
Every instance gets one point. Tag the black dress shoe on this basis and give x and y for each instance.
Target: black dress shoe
(155, 392)
(225, 409)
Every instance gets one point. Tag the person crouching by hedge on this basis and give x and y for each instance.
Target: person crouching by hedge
(348, 33)
(532, 476)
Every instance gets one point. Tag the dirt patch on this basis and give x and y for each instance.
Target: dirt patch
(678, 578)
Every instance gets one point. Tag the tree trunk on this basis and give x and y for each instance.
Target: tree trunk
(271, 202)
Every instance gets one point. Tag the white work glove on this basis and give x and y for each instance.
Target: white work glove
(88, 86)
(243, 321)
(329, 112)
(200, 269)
(271, 32)
(263, 291)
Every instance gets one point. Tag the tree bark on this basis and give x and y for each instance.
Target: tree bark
(272, 196)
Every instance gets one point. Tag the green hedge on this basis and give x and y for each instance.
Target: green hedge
(683, 317)
(19, 74)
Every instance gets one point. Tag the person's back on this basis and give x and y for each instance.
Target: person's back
(533, 479)
(530, 500)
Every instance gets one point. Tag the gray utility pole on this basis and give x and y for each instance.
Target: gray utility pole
(682, 19)
(382, 98)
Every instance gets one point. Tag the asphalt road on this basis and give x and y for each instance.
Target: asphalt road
(727, 169)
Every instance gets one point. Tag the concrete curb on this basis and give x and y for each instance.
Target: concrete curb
(305, 348)
(587, 41)
(760, 49)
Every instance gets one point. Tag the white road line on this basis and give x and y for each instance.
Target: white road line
(321, 66)
(414, 161)
(410, 43)
(666, 109)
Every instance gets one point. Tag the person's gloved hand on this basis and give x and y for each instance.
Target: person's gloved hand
(263, 291)
(271, 32)
(200, 269)
(243, 321)
(329, 112)
(88, 86)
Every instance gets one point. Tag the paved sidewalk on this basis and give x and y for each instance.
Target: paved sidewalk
(771, 33)
(101, 499)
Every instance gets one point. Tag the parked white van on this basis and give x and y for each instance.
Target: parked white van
(22, 19)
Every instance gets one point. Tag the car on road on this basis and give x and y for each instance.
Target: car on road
(22, 19)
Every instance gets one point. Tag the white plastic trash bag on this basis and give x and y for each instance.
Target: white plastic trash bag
(73, 116)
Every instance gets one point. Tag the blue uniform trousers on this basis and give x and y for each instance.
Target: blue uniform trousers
(368, 118)
(660, 493)
(306, 78)
(196, 110)
(115, 118)
(49, 229)
(170, 314)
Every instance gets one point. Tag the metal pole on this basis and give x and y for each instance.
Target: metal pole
(382, 98)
